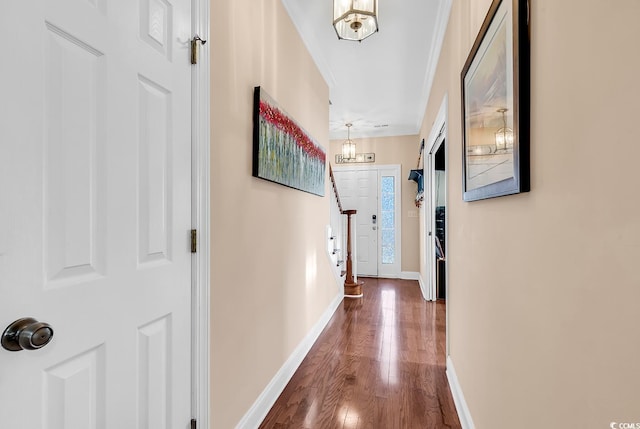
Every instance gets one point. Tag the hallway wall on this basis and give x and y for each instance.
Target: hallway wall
(401, 150)
(271, 280)
(544, 286)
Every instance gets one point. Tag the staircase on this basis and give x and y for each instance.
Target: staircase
(339, 243)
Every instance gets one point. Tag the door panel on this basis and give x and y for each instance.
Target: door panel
(74, 220)
(154, 173)
(367, 227)
(95, 183)
(154, 373)
(75, 391)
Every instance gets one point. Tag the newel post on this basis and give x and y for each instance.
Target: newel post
(351, 288)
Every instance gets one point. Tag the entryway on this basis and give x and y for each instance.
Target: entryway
(438, 194)
(374, 191)
(435, 217)
(435, 209)
(435, 286)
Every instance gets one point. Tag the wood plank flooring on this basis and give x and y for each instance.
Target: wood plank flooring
(379, 363)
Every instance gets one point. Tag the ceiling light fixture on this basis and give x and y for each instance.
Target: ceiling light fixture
(348, 147)
(504, 136)
(355, 19)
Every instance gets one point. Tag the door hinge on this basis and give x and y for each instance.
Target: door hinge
(193, 424)
(194, 241)
(194, 48)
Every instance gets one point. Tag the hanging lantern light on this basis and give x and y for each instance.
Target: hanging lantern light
(348, 147)
(355, 19)
(504, 136)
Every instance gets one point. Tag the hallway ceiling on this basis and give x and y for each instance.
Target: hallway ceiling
(381, 84)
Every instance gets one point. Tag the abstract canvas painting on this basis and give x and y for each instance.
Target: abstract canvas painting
(283, 152)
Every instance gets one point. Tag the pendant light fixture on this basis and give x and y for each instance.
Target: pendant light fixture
(355, 19)
(348, 147)
(504, 136)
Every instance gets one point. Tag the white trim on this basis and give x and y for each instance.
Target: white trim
(409, 275)
(201, 215)
(432, 206)
(426, 242)
(439, 31)
(355, 167)
(434, 139)
(310, 41)
(464, 415)
(438, 123)
(423, 287)
(402, 275)
(269, 395)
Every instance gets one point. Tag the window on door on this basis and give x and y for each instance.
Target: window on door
(387, 219)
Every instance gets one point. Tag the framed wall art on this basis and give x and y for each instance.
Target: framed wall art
(495, 105)
(283, 152)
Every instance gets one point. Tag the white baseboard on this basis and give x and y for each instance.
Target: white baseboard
(458, 397)
(269, 395)
(409, 275)
(403, 275)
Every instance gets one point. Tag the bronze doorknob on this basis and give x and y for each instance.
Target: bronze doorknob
(26, 334)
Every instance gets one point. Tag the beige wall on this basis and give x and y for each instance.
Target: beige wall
(544, 286)
(401, 150)
(271, 279)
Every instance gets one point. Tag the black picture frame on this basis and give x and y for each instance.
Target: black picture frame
(495, 82)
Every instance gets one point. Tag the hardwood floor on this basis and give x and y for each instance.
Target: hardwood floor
(379, 363)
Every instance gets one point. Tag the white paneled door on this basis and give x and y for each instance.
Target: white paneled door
(95, 197)
(358, 190)
(374, 191)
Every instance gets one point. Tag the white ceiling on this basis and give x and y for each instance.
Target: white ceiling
(381, 84)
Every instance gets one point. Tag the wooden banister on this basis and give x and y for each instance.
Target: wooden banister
(351, 287)
(335, 189)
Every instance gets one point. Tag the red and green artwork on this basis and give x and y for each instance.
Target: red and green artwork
(282, 151)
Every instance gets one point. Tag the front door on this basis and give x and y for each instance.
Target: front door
(95, 213)
(358, 190)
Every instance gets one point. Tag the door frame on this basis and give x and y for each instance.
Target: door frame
(397, 171)
(200, 219)
(431, 238)
(437, 135)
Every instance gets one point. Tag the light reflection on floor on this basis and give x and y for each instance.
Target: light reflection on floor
(379, 364)
(389, 338)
